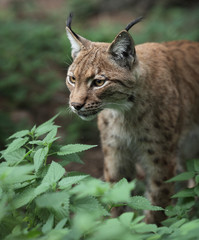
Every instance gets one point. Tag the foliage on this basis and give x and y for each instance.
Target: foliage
(169, 24)
(40, 200)
(25, 66)
(32, 64)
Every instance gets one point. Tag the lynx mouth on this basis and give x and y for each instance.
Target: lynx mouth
(87, 118)
(87, 115)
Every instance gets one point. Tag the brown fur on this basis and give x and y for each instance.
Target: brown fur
(146, 109)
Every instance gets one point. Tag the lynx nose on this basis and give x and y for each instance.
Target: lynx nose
(77, 106)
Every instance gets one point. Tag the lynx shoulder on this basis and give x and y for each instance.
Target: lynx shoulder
(147, 101)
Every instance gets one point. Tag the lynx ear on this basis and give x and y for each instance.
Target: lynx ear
(77, 42)
(122, 49)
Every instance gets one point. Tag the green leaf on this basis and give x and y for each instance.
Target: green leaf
(89, 204)
(182, 177)
(70, 158)
(17, 174)
(1, 192)
(69, 181)
(43, 187)
(61, 224)
(74, 148)
(91, 187)
(171, 211)
(196, 190)
(15, 157)
(189, 192)
(137, 219)
(39, 157)
(126, 218)
(56, 201)
(19, 134)
(55, 172)
(196, 165)
(197, 179)
(190, 165)
(37, 142)
(154, 237)
(24, 198)
(55, 234)
(141, 203)
(113, 229)
(32, 131)
(178, 224)
(189, 230)
(120, 192)
(24, 184)
(83, 222)
(3, 208)
(50, 137)
(144, 228)
(45, 127)
(47, 227)
(16, 144)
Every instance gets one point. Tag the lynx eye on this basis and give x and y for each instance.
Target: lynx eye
(98, 82)
(71, 79)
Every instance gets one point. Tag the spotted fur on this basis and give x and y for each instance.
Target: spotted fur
(147, 105)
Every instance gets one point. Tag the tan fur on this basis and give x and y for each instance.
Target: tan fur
(145, 110)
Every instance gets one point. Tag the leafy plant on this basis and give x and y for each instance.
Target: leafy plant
(40, 200)
(167, 24)
(38, 197)
(36, 54)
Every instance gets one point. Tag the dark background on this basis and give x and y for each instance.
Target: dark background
(35, 55)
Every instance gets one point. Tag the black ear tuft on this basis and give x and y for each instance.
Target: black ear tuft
(68, 24)
(130, 25)
(69, 21)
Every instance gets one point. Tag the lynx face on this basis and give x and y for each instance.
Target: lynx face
(94, 87)
(102, 75)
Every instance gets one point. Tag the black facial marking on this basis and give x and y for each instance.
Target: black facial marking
(131, 98)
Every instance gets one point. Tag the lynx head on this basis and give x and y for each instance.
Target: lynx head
(102, 75)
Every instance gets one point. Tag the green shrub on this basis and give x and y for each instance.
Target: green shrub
(32, 66)
(29, 52)
(39, 199)
(169, 24)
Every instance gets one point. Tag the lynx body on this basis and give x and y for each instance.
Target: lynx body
(147, 101)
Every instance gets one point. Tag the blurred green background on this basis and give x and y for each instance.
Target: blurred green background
(35, 55)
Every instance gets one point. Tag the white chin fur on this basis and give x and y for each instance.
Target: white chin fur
(89, 118)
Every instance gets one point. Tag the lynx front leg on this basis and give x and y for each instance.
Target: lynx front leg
(118, 158)
(118, 161)
(115, 169)
(159, 192)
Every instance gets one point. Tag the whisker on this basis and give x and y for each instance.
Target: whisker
(69, 111)
(68, 59)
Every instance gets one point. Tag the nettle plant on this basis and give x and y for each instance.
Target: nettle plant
(39, 199)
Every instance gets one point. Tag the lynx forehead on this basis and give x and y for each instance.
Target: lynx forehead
(147, 101)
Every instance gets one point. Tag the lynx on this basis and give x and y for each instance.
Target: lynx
(147, 101)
